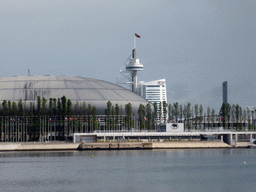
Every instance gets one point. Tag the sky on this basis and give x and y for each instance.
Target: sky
(194, 44)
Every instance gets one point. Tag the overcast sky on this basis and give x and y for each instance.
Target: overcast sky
(194, 44)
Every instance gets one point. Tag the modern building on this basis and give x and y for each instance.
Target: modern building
(225, 91)
(154, 92)
(91, 91)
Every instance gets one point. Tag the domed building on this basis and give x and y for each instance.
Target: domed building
(91, 91)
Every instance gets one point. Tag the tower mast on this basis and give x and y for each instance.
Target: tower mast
(134, 66)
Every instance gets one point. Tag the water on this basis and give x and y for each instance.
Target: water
(129, 170)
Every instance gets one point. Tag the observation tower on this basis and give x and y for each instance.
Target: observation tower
(130, 68)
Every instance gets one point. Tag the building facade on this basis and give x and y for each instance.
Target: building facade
(154, 92)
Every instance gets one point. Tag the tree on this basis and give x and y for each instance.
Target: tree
(225, 113)
(94, 115)
(112, 117)
(165, 105)
(180, 112)
(69, 108)
(76, 108)
(208, 116)
(55, 110)
(89, 111)
(170, 111)
(44, 108)
(32, 122)
(20, 106)
(59, 108)
(64, 105)
(238, 111)
(14, 109)
(108, 109)
(51, 113)
(117, 112)
(141, 113)
(187, 114)
(108, 112)
(9, 107)
(128, 110)
(160, 110)
(213, 118)
(38, 105)
(155, 110)
(4, 108)
(84, 108)
(201, 115)
(196, 114)
(148, 115)
(24, 109)
(176, 111)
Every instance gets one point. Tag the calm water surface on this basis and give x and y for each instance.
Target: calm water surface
(131, 170)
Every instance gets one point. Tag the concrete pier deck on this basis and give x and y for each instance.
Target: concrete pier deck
(118, 145)
(38, 146)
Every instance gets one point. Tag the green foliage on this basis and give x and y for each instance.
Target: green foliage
(148, 115)
(59, 107)
(128, 109)
(69, 108)
(64, 105)
(55, 110)
(165, 105)
(14, 109)
(84, 108)
(44, 108)
(141, 113)
(20, 106)
(76, 108)
(31, 109)
(108, 109)
(176, 111)
(51, 112)
(9, 104)
(38, 105)
(4, 108)
(117, 110)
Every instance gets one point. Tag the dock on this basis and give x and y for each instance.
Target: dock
(118, 145)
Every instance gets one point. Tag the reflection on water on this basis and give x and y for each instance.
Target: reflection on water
(129, 170)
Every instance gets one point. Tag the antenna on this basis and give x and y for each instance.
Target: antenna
(28, 72)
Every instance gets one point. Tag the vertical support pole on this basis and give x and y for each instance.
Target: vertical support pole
(74, 138)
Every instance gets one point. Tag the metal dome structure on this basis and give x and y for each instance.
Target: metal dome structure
(91, 91)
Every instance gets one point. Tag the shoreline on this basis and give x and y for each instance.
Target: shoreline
(57, 146)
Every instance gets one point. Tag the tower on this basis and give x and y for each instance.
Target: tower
(225, 91)
(132, 67)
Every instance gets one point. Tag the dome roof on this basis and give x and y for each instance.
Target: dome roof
(93, 91)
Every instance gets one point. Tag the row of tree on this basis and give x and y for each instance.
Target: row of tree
(175, 112)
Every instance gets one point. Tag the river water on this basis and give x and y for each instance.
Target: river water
(130, 170)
